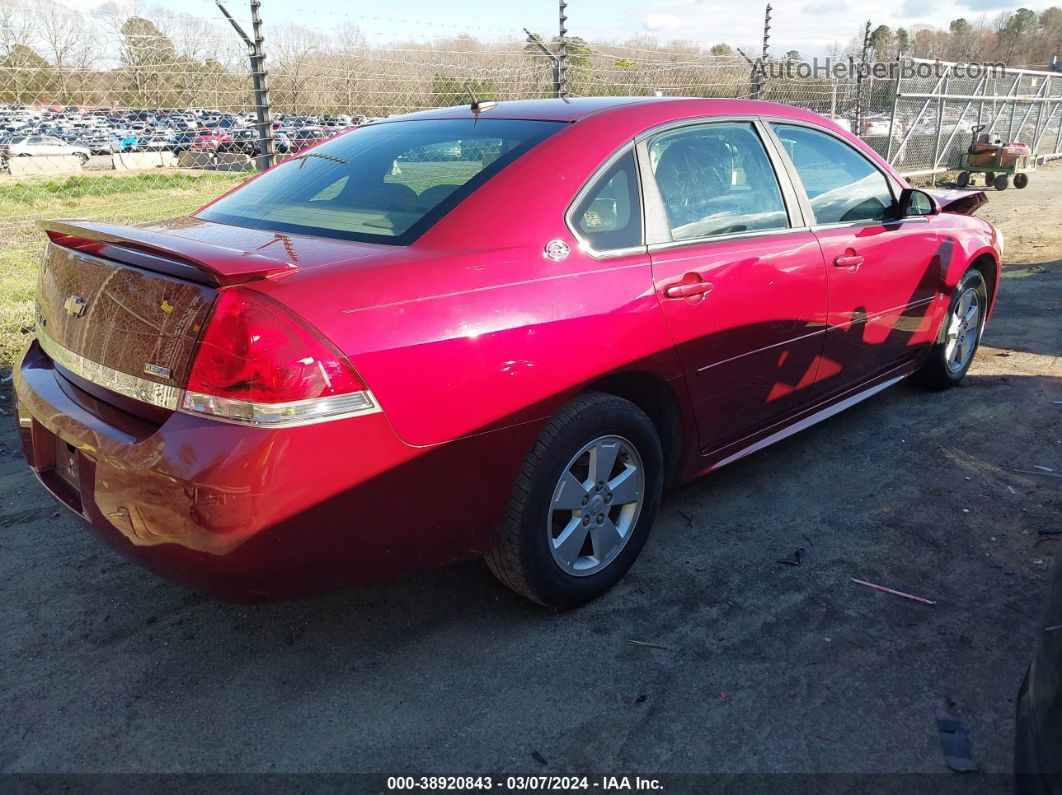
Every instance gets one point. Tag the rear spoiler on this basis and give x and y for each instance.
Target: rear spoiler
(960, 202)
(178, 256)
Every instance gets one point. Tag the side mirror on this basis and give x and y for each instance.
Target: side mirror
(914, 203)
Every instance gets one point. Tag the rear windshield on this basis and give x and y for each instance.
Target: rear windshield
(383, 183)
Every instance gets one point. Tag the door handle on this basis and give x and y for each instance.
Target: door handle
(687, 289)
(849, 261)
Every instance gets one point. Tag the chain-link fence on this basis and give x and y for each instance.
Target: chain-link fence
(937, 114)
(117, 115)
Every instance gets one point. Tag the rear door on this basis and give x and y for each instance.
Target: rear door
(740, 279)
(884, 271)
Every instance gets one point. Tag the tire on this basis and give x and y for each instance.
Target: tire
(529, 555)
(945, 366)
(1021, 180)
(963, 179)
(1001, 182)
(990, 177)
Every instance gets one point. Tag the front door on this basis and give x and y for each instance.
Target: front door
(884, 272)
(744, 293)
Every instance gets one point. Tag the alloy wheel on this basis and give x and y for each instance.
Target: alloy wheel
(964, 327)
(595, 505)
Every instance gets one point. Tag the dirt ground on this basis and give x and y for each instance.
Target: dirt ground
(757, 666)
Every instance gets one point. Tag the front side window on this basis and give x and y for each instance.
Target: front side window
(610, 216)
(841, 184)
(383, 183)
(716, 179)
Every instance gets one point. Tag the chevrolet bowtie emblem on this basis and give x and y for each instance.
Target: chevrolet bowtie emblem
(75, 305)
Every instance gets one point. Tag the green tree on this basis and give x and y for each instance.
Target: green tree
(721, 49)
(148, 56)
(903, 41)
(882, 41)
(26, 76)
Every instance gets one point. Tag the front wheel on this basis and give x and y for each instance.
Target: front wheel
(1001, 182)
(1021, 180)
(583, 503)
(959, 334)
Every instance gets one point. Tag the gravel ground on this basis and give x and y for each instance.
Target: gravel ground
(764, 667)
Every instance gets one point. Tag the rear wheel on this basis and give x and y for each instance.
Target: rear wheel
(1001, 182)
(990, 177)
(964, 179)
(959, 335)
(583, 503)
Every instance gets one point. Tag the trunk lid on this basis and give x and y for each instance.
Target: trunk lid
(115, 302)
(120, 318)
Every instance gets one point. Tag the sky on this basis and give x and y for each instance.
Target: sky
(809, 26)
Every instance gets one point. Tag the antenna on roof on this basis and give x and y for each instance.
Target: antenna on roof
(477, 106)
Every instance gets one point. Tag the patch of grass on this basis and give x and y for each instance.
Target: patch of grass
(120, 199)
(33, 193)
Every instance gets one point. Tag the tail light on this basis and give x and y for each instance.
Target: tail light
(258, 364)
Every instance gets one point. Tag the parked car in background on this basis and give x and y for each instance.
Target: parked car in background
(155, 142)
(305, 137)
(1038, 742)
(124, 141)
(882, 124)
(99, 144)
(282, 144)
(243, 141)
(183, 141)
(210, 139)
(44, 145)
(343, 370)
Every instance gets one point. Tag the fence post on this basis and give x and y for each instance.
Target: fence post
(895, 105)
(859, 77)
(261, 92)
(940, 123)
(553, 60)
(258, 79)
(562, 51)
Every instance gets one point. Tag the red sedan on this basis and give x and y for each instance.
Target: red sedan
(210, 140)
(498, 331)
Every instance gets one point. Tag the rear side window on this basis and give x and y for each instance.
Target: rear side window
(383, 183)
(716, 179)
(841, 184)
(610, 215)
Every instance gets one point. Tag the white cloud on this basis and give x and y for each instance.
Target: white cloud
(660, 22)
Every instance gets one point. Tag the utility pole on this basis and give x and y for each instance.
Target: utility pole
(562, 55)
(264, 120)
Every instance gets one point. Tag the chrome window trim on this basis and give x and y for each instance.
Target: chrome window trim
(262, 415)
(588, 185)
(673, 244)
(131, 386)
(918, 219)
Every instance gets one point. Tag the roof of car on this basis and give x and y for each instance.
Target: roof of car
(577, 108)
